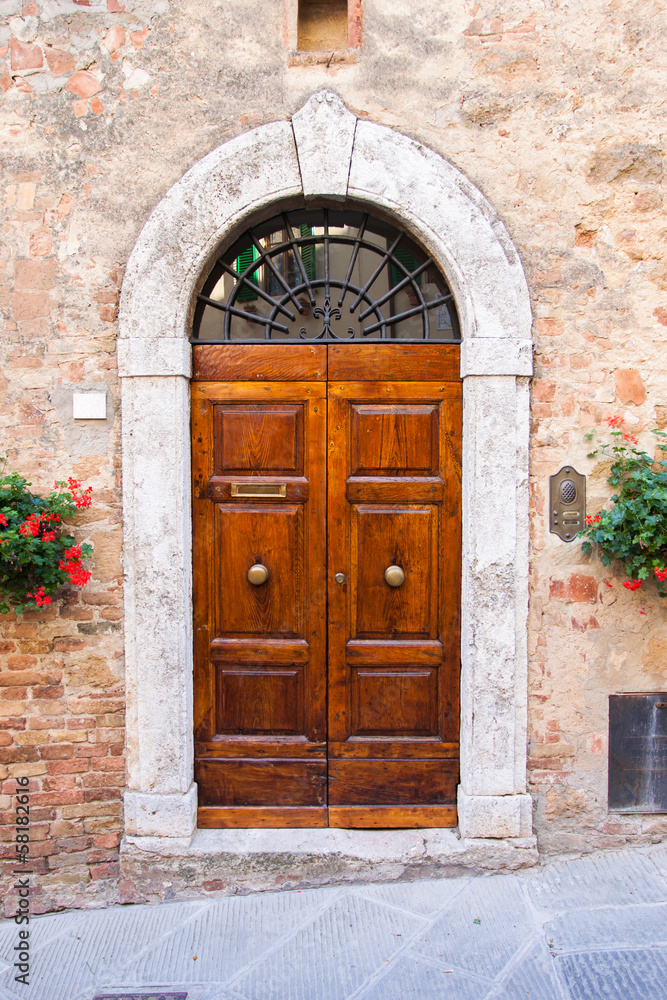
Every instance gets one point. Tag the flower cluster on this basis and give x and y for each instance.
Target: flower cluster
(634, 529)
(619, 422)
(37, 554)
(34, 523)
(81, 500)
(40, 598)
(71, 564)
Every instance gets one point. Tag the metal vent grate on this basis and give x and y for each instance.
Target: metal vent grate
(638, 752)
(325, 275)
(568, 491)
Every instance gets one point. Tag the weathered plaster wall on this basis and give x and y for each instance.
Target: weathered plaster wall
(554, 110)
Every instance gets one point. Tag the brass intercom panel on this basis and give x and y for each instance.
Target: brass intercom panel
(567, 511)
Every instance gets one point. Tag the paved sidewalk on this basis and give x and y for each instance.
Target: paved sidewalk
(591, 928)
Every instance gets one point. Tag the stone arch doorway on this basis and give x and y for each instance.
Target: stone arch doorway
(326, 449)
(325, 152)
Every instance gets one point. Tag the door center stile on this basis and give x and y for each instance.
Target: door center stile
(326, 553)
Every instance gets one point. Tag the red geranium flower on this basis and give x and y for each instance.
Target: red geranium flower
(71, 565)
(30, 526)
(632, 584)
(83, 499)
(40, 598)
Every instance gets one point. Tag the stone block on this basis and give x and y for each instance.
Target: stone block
(484, 816)
(322, 125)
(629, 387)
(83, 84)
(60, 62)
(25, 56)
(171, 815)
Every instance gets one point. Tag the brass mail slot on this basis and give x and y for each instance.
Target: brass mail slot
(259, 490)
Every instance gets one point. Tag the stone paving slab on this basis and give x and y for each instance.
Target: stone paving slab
(366, 935)
(225, 939)
(93, 945)
(597, 880)
(483, 928)
(532, 975)
(42, 931)
(637, 974)
(425, 898)
(586, 929)
(658, 856)
(623, 926)
(412, 978)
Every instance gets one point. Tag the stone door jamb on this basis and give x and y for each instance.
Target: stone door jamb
(325, 151)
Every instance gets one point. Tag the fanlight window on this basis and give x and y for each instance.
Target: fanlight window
(325, 275)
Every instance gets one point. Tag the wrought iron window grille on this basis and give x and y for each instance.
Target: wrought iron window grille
(298, 275)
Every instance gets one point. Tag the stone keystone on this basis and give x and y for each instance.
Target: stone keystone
(324, 134)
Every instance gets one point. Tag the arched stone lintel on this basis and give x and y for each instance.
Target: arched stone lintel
(325, 151)
(337, 155)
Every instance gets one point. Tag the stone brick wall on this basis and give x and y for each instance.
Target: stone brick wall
(554, 111)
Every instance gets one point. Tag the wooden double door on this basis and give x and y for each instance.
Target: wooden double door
(327, 547)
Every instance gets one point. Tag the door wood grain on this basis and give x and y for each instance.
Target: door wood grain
(260, 668)
(393, 657)
(320, 702)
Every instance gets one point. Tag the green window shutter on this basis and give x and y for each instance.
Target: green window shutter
(308, 253)
(243, 262)
(407, 260)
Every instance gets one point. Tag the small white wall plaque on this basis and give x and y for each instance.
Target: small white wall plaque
(89, 405)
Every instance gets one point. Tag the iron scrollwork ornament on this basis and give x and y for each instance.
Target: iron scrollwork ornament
(327, 314)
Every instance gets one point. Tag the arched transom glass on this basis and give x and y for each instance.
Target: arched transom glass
(323, 275)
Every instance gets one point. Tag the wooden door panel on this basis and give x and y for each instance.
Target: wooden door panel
(392, 782)
(369, 489)
(394, 499)
(260, 668)
(393, 652)
(272, 535)
(259, 701)
(398, 702)
(386, 536)
(391, 817)
(250, 782)
(282, 652)
(239, 817)
(393, 440)
(259, 362)
(258, 438)
(393, 748)
(394, 362)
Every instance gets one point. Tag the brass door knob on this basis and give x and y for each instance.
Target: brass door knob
(394, 576)
(258, 574)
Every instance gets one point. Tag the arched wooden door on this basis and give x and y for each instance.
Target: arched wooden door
(327, 554)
